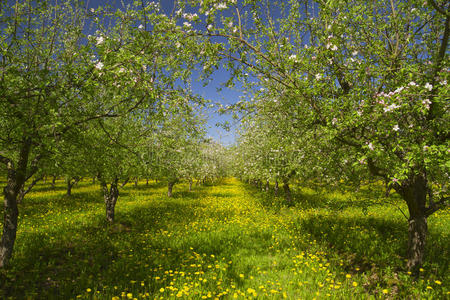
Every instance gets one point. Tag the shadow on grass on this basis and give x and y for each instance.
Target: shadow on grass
(364, 241)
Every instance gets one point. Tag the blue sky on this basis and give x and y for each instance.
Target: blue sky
(225, 96)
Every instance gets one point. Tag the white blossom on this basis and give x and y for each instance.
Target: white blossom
(99, 65)
(396, 128)
(293, 57)
(210, 27)
(391, 107)
(334, 48)
(221, 6)
(187, 24)
(426, 103)
(371, 147)
(428, 86)
(100, 40)
(412, 83)
(141, 26)
(318, 77)
(354, 53)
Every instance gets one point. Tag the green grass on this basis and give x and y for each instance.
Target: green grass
(224, 241)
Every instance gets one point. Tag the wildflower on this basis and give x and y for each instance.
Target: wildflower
(187, 24)
(412, 83)
(438, 282)
(396, 128)
(354, 53)
(426, 103)
(385, 291)
(428, 86)
(88, 290)
(318, 76)
(443, 82)
(130, 296)
(334, 48)
(210, 27)
(161, 290)
(348, 275)
(293, 57)
(241, 275)
(141, 26)
(355, 284)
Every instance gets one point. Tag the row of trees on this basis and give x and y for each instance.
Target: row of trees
(342, 90)
(100, 93)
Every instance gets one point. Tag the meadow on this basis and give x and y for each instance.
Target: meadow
(222, 241)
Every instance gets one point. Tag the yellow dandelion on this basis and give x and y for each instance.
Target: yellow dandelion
(161, 290)
(88, 290)
(348, 276)
(438, 282)
(385, 291)
(429, 288)
(241, 275)
(130, 296)
(355, 283)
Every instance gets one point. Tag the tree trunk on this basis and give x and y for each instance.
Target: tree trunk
(136, 180)
(414, 192)
(287, 193)
(53, 181)
(267, 187)
(190, 184)
(24, 191)
(146, 183)
(93, 180)
(110, 196)
(15, 180)
(70, 185)
(169, 188)
(275, 188)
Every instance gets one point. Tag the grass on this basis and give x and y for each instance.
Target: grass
(225, 241)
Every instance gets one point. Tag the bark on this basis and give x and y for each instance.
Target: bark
(93, 180)
(110, 196)
(190, 185)
(414, 192)
(15, 180)
(169, 188)
(275, 188)
(136, 180)
(146, 183)
(287, 193)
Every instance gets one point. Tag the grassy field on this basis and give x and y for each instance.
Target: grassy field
(217, 242)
